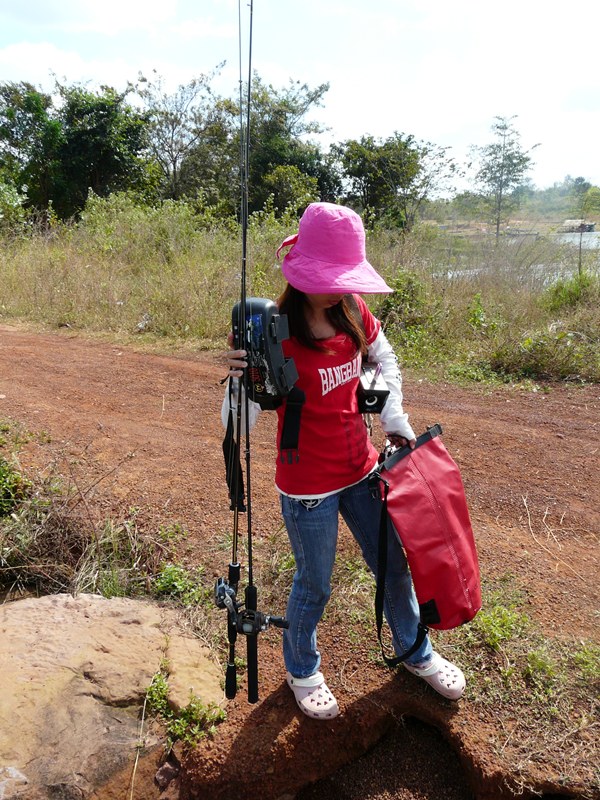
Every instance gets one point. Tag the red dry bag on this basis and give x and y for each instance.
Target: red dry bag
(423, 497)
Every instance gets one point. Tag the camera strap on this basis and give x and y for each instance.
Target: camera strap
(290, 432)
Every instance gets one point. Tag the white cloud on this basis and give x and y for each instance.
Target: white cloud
(34, 63)
(205, 28)
(108, 17)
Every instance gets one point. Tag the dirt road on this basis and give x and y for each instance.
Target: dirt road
(144, 429)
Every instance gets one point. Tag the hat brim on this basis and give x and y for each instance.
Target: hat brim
(322, 277)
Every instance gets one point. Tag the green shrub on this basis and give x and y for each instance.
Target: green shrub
(47, 545)
(540, 671)
(496, 624)
(14, 488)
(406, 306)
(465, 373)
(12, 213)
(118, 226)
(188, 724)
(566, 293)
(175, 582)
(464, 306)
(553, 354)
(478, 317)
(587, 659)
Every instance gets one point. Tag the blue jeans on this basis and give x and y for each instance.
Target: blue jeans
(313, 536)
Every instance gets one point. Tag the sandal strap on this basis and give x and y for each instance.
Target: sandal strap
(316, 679)
(424, 672)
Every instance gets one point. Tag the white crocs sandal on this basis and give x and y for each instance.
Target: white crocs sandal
(313, 696)
(446, 678)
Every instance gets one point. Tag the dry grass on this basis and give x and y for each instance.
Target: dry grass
(52, 539)
(169, 277)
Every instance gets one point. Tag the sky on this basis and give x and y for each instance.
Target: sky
(440, 71)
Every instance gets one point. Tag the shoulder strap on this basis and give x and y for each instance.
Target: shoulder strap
(376, 482)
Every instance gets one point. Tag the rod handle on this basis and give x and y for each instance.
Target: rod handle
(250, 596)
(252, 654)
(230, 681)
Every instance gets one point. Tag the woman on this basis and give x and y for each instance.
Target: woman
(331, 329)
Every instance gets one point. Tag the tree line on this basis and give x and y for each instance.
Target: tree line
(185, 145)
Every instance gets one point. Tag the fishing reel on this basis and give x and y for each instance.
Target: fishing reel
(243, 618)
(248, 621)
(225, 596)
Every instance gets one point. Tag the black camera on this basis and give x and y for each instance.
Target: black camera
(270, 374)
(372, 389)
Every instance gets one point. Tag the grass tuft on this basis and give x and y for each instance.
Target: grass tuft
(188, 725)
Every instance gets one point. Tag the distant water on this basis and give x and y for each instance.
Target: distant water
(589, 241)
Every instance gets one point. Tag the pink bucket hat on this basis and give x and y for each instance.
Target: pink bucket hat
(327, 254)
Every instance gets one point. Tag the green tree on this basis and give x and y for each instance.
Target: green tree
(390, 179)
(192, 120)
(467, 205)
(30, 138)
(56, 154)
(12, 213)
(360, 165)
(211, 169)
(503, 165)
(556, 201)
(102, 149)
(278, 131)
(292, 190)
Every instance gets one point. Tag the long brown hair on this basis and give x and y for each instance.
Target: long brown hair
(344, 316)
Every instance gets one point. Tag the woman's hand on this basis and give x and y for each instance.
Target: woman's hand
(401, 441)
(234, 359)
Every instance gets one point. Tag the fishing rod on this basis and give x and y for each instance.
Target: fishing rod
(259, 329)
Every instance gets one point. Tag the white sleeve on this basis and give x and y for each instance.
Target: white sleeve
(394, 420)
(230, 403)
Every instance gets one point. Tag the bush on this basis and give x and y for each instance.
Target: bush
(566, 293)
(14, 488)
(175, 582)
(118, 226)
(12, 213)
(189, 724)
(463, 306)
(406, 306)
(47, 545)
(553, 353)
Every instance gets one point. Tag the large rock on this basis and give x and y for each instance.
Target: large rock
(74, 674)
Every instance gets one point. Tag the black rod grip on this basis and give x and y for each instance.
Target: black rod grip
(233, 577)
(250, 597)
(252, 652)
(230, 681)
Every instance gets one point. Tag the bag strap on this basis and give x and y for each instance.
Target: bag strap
(375, 484)
(402, 452)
